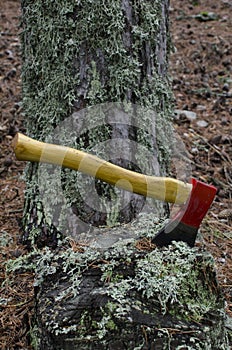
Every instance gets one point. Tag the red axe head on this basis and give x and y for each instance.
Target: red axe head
(184, 225)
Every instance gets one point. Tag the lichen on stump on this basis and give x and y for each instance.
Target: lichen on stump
(129, 298)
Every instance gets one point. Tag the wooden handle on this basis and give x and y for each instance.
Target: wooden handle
(161, 188)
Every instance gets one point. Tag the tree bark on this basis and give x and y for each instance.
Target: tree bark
(116, 291)
(97, 55)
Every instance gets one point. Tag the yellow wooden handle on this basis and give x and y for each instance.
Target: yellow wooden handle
(161, 188)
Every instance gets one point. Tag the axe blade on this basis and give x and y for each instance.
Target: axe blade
(184, 225)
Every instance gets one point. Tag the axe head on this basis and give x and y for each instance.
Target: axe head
(184, 225)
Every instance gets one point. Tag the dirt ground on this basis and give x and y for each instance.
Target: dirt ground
(201, 68)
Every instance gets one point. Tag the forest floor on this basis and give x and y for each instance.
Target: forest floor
(201, 69)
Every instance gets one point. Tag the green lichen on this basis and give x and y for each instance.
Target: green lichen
(48, 86)
(175, 282)
(34, 337)
(175, 277)
(52, 40)
(57, 76)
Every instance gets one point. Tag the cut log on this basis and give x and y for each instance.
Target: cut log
(128, 298)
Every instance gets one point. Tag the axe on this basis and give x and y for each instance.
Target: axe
(195, 197)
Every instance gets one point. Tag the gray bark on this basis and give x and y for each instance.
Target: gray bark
(79, 55)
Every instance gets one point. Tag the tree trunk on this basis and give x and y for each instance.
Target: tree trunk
(95, 77)
(109, 62)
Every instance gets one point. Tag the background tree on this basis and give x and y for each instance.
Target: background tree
(77, 55)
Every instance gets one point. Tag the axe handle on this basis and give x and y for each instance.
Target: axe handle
(161, 188)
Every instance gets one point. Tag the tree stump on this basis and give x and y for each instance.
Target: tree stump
(130, 296)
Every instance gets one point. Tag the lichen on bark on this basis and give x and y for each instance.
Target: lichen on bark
(78, 54)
